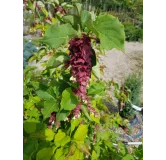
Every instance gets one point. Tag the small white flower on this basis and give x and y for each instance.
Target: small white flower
(53, 122)
(66, 119)
(79, 115)
(85, 101)
(87, 156)
(74, 118)
(72, 79)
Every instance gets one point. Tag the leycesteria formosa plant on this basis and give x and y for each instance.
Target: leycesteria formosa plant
(64, 115)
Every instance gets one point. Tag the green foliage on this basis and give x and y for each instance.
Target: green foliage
(51, 130)
(45, 154)
(132, 32)
(81, 132)
(57, 35)
(57, 59)
(69, 100)
(128, 111)
(134, 83)
(110, 32)
(138, 152)
(50, 106)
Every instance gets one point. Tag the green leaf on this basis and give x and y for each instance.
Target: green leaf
(85, 111)
(26, 157)
(36, 99)
(33, 113)
(65, 140)
(58, 59)
(45, 154)
(96, 119)
(81, 132)
(56, 35)
(108, 143)
(96, 89)
(69, 100)
(46, 134)
(103, 135)
(69, 19)
(58, 137)
(45, 12)
(97, 149)
(96, 70)
(110, 32)
(50, 106)
(91, 26)
(29, 105)
(28, 69)
(83, 148)
(71, 150)
(122, 148)
(44, 95)
(30, 147)
(85, 16)
(94, 155)
(75, 123)
(128, 157)
(76, 156)
(25, 91)
(79, 7)
(72, 19)
(29, 127)
(58, 154)
(60, 116)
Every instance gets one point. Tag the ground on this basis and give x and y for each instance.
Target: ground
(119, 65)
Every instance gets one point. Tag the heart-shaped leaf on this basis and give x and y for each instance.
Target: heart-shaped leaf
(81, 132)
(50, 106)
(56, 35)
(58, 59)
(69, 100)
(110, 32)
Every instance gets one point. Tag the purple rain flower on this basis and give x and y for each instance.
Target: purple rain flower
(81, 63)
(76, 111)
(81, 67)
(52, 120)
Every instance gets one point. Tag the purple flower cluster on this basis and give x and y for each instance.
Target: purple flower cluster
(81, 63)
(76, 111)
(81, 67)
(52, 121)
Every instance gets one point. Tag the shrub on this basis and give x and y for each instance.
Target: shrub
(132, 33)
(128, 111)
(134, 83)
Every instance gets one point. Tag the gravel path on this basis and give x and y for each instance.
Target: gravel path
(119, 65)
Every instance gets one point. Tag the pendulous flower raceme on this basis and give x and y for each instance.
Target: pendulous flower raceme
(81, 67)
(81, 63)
